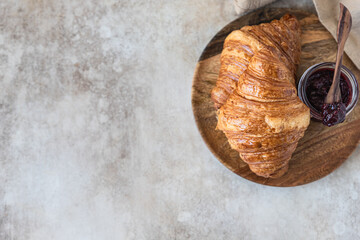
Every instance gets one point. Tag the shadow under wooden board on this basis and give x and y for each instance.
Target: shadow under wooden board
(322, 149)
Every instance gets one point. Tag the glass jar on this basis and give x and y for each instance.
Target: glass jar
(327, 65)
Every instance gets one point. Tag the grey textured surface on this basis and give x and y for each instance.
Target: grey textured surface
(98, 140)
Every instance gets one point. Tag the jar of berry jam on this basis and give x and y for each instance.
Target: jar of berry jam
(315, 83)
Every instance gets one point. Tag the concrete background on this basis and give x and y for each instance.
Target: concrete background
(98, 140)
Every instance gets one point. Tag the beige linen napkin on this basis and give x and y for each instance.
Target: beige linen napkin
(328, 12)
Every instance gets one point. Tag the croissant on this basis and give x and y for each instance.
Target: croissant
(256, 97)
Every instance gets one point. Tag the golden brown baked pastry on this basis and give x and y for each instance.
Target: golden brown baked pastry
(259, 110)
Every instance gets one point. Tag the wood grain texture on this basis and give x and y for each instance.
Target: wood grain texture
(322, 149)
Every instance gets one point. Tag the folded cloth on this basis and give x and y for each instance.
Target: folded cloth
(329, 11)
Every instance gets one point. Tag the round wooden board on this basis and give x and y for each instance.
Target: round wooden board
(322, 149)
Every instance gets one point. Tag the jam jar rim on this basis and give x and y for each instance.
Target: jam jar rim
(305, 76)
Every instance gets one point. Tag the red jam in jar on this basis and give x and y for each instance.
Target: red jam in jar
(318, 85)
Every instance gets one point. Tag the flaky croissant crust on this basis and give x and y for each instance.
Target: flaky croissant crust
(256, 97)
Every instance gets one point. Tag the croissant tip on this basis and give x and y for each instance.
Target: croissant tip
(273, 175)
(288, 16)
